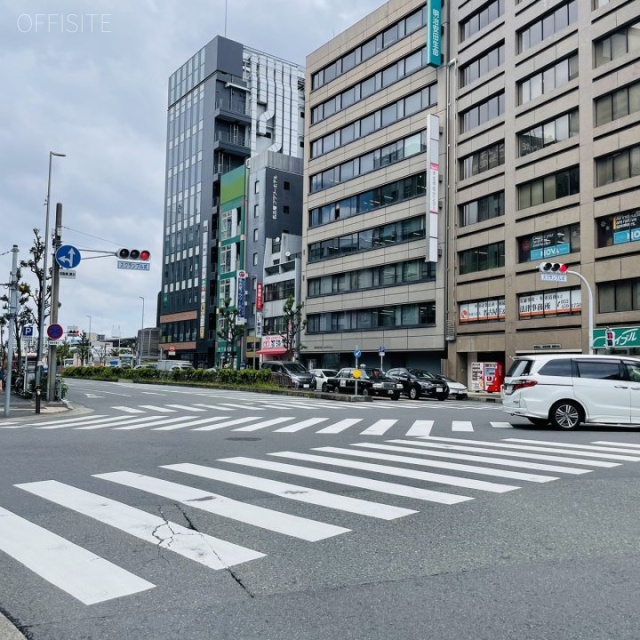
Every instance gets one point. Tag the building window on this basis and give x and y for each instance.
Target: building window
(483, 160)
(286, 185)
(485, 310)
(483, 65)
(619, 295)
(256, 235)
(547, 80)
(489, 256)
(285, 208)
(279, 290)
(481, 18)
(256, 211)
(548, 133)
(619, 228)
(257, 187)
(617, 44)
(548, 188)
(549, 304)
(548, 25)
(482, 209)
(482, 113)
(618, 104)
(620, 165)
(549, 244)
(255, 259)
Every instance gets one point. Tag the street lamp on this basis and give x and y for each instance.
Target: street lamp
(43, 285)
(141, 333)
(89, 341)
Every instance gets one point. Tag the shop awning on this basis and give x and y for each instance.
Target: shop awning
(276, 351)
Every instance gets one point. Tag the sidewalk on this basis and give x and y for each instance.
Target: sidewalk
(21, 407)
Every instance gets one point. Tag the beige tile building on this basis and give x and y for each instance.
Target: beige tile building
(539, 161)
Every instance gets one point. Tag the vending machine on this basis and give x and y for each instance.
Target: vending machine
(487, 376)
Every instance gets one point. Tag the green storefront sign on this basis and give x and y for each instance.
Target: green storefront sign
(434, 25)
(623, 338)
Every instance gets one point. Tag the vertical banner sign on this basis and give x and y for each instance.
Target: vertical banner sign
(259, 324)
(259, 301)
(434, 52)
(433, 172)
(203, 278)
(242, 289)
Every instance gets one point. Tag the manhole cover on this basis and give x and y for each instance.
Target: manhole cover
(246, 439)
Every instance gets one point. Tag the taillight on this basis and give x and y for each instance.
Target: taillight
(523, 384)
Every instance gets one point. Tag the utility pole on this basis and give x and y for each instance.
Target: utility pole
(13, 309)
(55, 297)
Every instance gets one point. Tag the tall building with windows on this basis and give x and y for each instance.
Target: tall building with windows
(226, 104)
(539, 160)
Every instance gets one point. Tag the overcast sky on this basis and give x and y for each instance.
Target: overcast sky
(91, 82)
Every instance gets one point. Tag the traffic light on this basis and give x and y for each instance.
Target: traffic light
(133, 254)
(553, 267)
(609, 338)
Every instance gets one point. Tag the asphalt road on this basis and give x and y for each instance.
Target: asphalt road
(166, 513)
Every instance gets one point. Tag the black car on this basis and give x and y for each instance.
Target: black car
(417, 383)
(375, 384)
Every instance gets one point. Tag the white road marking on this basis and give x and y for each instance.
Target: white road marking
(229, 423)
(298, 426)
(153, 407)
(501, 425)
(138, 423)
(190, 422)
(186, 407)
(379, 428)
(263, 424)
(619, 444)
(420, 428)
(581, 447)
(80, 573)
(341, 425)
(461, 425)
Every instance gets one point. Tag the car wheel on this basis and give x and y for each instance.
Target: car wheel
(442, 396)
(566, 414)
(414, 393)
(323, 388)
(539, 422)
(365, 392)
(395, 396)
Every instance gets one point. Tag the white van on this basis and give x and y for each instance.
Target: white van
(567, 390)
(169, 365)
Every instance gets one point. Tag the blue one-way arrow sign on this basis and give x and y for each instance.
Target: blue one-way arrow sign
(68, 257)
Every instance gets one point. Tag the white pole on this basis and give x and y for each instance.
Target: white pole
(590, 294)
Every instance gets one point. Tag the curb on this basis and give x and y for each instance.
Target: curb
(8, 631)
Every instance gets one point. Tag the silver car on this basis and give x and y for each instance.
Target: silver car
(320, 377)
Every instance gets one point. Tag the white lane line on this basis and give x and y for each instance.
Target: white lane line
(534, 466)
(420, 428)
(439, 478)
(199, 547)
(298, 426)
(126, 420)
(465, 468)
(186, 407)
(378, 428)
(511, 454)
(633, 447)
(461, 425)
(80, 573)
(555, 448)
(351, 481)
(272, 406)
(128, 409)
(501, 425)
(64, 421)
(190, 423)
(294, 526)
(581, 447)
(228, 423)
(153, 407)
(341, 425)
(295, 492)
(263, 424)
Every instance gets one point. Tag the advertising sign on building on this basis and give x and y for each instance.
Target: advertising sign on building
(433, 178)
(434, 54)
(272, 342)
(259, 298)
(203, 278)
(242, 289)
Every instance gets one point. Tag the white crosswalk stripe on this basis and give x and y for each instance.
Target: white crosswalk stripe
(341, 425)
(128, 409)
(264, 424)
(153, 407)
(379, 428)
(421, 428)
(228, 423)
(298, 426)
(137, 422)
(501, 425)
(186, 407)
(188, 421)
(461, 425)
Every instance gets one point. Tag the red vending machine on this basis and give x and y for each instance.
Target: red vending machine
(493, 376)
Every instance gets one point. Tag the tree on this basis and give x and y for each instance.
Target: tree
(63, 351)
(84, 349)
(294, 323)
(24, 313)
(230, 331)
(35, 264)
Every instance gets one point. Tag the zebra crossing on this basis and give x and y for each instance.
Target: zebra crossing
(252, 423)
(441, 470)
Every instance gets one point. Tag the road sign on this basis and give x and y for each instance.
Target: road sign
(53, 343)
(68, 257)
(70, 274)
(381, 351)
(553, 277)
(134, 266)
(55, 331)
(357, 353)
(27, 331)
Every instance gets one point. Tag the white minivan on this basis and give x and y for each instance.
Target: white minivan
(567, 390)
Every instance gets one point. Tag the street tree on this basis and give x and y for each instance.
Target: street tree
(84, 348)
(229, 331)
(24, 313)
(294, 324)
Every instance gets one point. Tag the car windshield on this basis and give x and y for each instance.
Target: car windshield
(520, 368)
(422, 375)
(328, 373)
(295, 368)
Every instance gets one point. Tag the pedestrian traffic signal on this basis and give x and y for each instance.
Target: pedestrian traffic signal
(133, 254)
(553, 267)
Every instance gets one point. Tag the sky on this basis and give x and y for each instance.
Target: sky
(90, 81)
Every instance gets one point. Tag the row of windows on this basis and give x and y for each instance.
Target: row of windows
(485, 208)
(392, 34)
(548, 26)
(480, 19)
(551, 78)
(617, 44)
(620, 165)
(479, 67)
(548, 188)
(485, 310)
(389, 317)
(619, 228)
(383, 196)
(620, 295)
(385, 78)
(548, 133)
(377, 238)
(481, 258)
(279, 290)
(481, 113)
(618, 104)
(384, 117)
(185, 331)
(549, 244)
(547, 304)
(387, 275)
(372, 161)
(483, 160)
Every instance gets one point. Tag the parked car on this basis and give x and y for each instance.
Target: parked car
(170, 365)
(376, 384)
(383, 385)
(456, 389)
(417, 383)
(321, 376)
(568, 390)
(290, 373)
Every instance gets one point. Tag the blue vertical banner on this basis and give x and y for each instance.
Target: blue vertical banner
(434, 44)
(242, 280)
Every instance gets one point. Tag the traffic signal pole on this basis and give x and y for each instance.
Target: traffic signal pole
(55, 298)
(590, 295)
